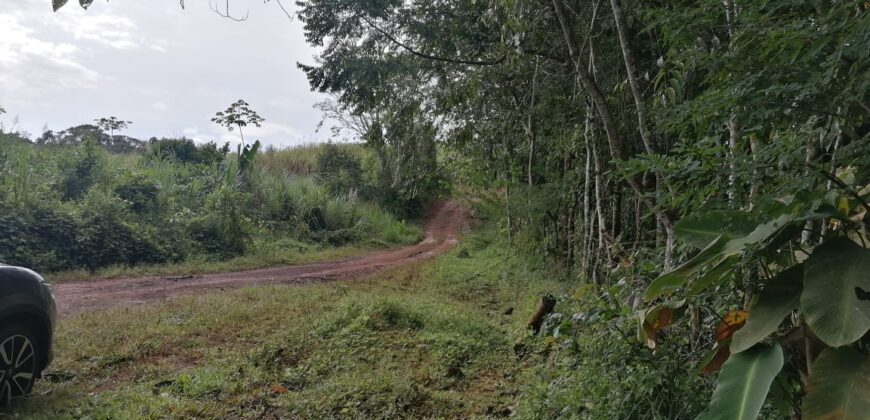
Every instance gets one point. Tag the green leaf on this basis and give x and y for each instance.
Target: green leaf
(699, 229)
(780, 296)
(762, 233)
(671, 281)
(57, 4)
(714, 275)
(720, 254)
(839, 386)
(829, 299)
(743, 383)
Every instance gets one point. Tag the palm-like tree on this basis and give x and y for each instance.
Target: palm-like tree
(239, 114)
(111, 124)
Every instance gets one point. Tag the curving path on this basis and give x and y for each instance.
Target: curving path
(442, 232)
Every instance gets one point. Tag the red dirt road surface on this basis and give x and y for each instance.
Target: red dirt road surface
(442, 232)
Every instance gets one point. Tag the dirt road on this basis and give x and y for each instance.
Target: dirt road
(442, 232)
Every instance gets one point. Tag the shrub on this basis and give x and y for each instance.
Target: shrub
(224, 231)
(41, 238)
(106, 238)
(65, 207)
(338, 170)
(140, 191)
(185, 150)
(597, 369)
(80, 172)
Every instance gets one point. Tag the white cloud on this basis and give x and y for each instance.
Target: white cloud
(164, 68)
(30, 66)
(194, 134)
(272, 129)
(17, 44)
(110, 30)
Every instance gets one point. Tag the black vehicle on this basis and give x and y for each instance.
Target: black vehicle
(27, 316)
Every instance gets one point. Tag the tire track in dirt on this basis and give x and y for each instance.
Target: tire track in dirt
(442, 233)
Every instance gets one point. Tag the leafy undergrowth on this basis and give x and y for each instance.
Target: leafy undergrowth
(435, 339)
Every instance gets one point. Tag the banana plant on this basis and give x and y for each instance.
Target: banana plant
(816, 291)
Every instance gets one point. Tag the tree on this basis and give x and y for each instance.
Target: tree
(605, 131)
(622, 119)
(57, 4)
(111, 124)
(238, 115)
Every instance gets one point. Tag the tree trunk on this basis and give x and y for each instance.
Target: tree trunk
(640, 109)
(599, 198)
(809, 227)
(616, 223)
(530, 128)
(733, 123)
(633, 77)
(587, 183)
(754, 148)
(733, 137)
(615, 142)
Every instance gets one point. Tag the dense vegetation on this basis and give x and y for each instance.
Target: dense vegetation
(698, 169)
(624, 137)
(74, 205)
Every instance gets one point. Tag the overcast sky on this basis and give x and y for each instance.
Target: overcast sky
(166, 69)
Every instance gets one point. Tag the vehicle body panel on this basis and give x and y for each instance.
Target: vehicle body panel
(25, 297)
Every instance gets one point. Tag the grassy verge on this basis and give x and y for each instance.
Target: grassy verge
(435, 339)
(281, 251)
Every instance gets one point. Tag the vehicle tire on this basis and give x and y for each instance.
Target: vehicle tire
(19, 366)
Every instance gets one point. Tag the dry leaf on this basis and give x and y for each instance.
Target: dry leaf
(718, 360)
(731, 322)
(279, 389)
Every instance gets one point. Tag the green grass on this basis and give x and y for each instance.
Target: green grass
(302, 159)
(294, 253)
(435, 339)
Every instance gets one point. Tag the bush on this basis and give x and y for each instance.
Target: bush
(41, 238)
(140, 192)
(596, 368)
(106, 238)
(66, 207)
(393, 201)
(338, 170)
(185, 150)
(80, 172)
(224, 231)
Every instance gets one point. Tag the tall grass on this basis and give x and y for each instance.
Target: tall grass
(149, 209)
(311, 211)
(302, 160)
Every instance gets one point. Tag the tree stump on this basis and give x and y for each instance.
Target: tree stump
(545, 307)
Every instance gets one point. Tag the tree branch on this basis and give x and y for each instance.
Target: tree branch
(833, 178)
(411, 50)
(215, 8)
(545, 54)
(283, 9)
